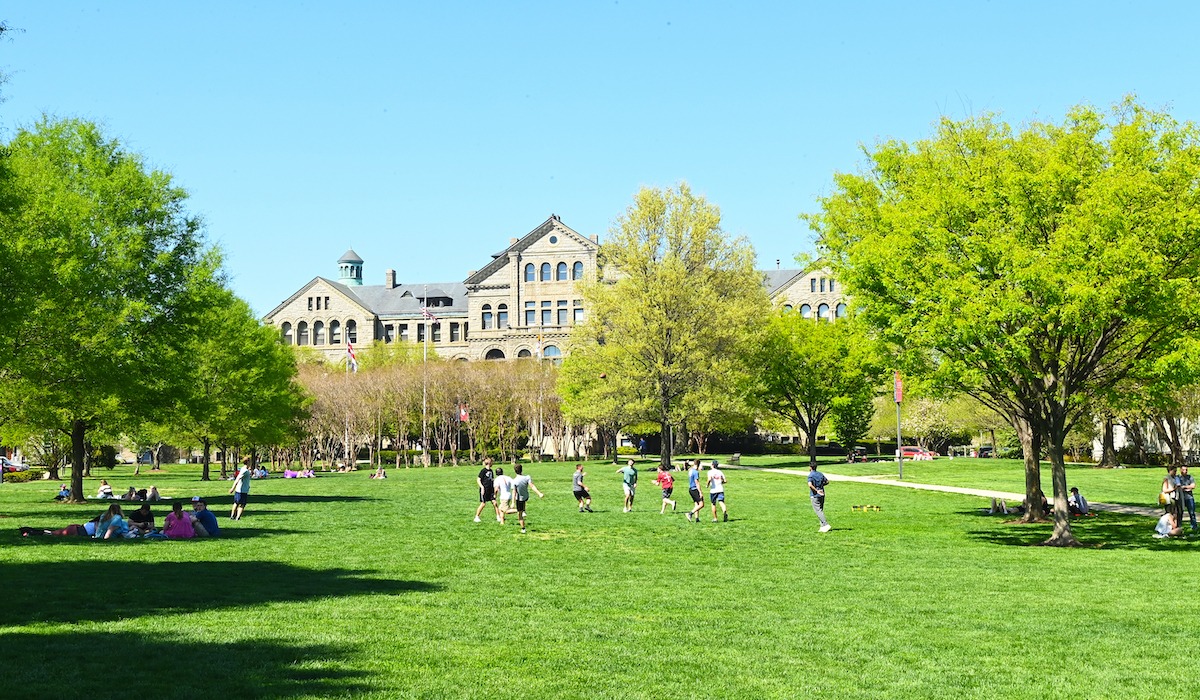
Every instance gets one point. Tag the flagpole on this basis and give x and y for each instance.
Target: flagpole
(425, 381)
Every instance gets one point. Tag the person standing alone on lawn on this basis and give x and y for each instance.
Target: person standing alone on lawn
(716, 491)
(581, 492)
(667, 482)
(816, 493)
(240, 490)
(628, 483)
(521, 485)
(487, 487)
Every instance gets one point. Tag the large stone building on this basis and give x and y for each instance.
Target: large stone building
(524, 300)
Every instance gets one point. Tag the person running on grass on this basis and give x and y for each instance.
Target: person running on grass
(522, 485)
(487, 487)
(667, 482)
(695, 491)
(716, 491)
(504, 486)
(816, 492)
(581, 492)
(240, 490)
(629, 476)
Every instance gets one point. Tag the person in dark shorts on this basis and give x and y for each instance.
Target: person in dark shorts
(694, 491)
(581, 492)
(716, 491)
(521, 486)
(487, 488)
(667, 482)
(240, 490)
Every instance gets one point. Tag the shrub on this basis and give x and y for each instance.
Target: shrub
(27, 475)
(627, 450)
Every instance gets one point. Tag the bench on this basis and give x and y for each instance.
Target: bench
(735, 458)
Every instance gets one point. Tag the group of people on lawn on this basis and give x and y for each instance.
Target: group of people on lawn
(508, 495)
(115, 524)
(106, 491)
(1177, 489)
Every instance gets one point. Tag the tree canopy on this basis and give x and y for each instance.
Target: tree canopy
(1032, 268)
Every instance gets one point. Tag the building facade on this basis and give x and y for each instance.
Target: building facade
(522, 303)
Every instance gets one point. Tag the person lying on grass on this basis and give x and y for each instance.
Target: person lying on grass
(87, 529)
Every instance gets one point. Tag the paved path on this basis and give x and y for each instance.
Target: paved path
(1007, 496)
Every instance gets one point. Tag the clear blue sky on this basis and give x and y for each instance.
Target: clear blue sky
(425, 135)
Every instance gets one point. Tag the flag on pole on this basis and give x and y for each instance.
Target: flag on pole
(539, 346)
(351, 358)
(464, 415)
(428, 315)
(898, 388)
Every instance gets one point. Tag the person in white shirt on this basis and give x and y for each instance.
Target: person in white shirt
(716, 491)
(504, 494)
(522, 485)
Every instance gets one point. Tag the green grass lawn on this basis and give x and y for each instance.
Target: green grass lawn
(1131, 486)
(343, 586)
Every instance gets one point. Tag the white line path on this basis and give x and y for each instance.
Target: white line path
(985, 493)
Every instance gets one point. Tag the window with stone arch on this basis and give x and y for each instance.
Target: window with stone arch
(787, 307)
(351, 332)
(524, 352)
(486, 317)
(823, 312)
(302, 333)
(502, 316)
(805, 311)
(530, 273)
(286, 330)
(577, 271)
(841, 311)
(551, 353)
(545, 272)
(318, 333)
(561, 272)
(335, 333)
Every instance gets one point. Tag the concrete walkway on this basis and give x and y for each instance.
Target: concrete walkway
(1015, 498)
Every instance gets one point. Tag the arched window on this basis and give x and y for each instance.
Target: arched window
(561, 272)
(487, 316)
(502, 316)
(286, 329)
(351, 332)
(335, 333)
(545, 272)
(823, 312)
(577, 271)
(494, 354)
(805, 311)
(529, 273)
(524, 352)
(841, 311)
(302, 333)
(787, 307)
(553, 354)
(318, 333)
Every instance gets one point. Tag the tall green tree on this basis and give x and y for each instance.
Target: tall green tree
(102, 248)
(804, 367)
(1030, 268)
(675, 308)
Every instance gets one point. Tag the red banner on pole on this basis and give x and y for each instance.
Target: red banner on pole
(899, 388)
(464, 416)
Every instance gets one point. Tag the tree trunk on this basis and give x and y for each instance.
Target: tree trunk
(78, 433)
(1062, 536)
(1031, 446)
(667, 444)
(1108, 450)
(206, 459)
(1134, 430)
(1168, 431)
(810, 437)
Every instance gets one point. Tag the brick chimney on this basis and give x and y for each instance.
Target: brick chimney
(390, 280)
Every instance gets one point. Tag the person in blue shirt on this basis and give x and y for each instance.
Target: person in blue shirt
(694, 490)
(816, 493)
(205, 523)
(112, 525)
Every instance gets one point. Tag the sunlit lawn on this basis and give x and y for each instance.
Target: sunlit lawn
(343, 586)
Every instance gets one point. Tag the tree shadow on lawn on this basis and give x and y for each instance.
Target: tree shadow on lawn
(98, 665)
(1105, 531)
(71, 591)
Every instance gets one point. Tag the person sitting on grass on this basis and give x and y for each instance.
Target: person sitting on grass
(204, 521)
(105, 491)
(130, 495)
(1077, 503)
(178, 523)
(1167, 526)
(380, 473)
(141, 521)
(64, 492)
(153, 495)
(112, 524)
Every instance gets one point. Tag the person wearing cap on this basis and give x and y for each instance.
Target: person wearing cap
(629, 476)
(240, 490)
(1077, 503)
(204, 521)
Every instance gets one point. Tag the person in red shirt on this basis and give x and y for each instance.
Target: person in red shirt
(667, 482)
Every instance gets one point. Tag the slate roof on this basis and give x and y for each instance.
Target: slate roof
(405, 299)
(350, 257)
(777, 279)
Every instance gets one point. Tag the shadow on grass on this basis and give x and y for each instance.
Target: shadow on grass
(1105, 531)
(98, 665)
(107, 590)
